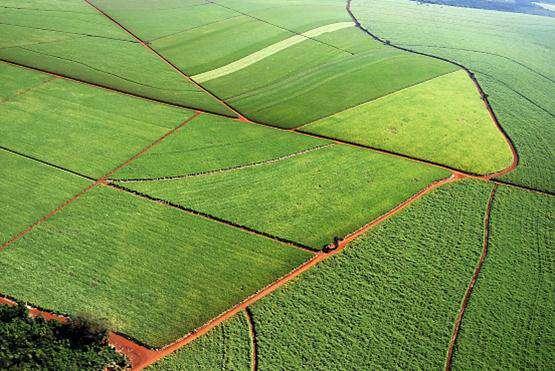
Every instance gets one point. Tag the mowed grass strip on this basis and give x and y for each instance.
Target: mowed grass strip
(29, 190)
(509, 319)
(154, 272)
(226, 347)
(442, 120)
(389, 300)
(311, 80)
(210, 142)
(81, 128)
(308, 198)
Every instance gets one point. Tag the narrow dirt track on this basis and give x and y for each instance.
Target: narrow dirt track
(470, 288)
(254, 340)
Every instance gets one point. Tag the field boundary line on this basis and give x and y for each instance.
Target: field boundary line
(225, 169)
(141, 355)
(67, 32)
(307, 265)
(210, 217)
(22, 92)
(101, 180)
(473, 280)
(49, 164)
(166, 60)
(111, 89)
(485, 177)
(523, 188)
(472, 77)
(253, 338)
(281, 27)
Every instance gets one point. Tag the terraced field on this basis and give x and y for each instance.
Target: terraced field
(257, 184)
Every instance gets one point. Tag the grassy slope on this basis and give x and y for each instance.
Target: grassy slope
(509, 320)
(227, 347)
(210, 143)
(514, 64)
(389, 300)
(29, 190)
(90, 131)
(309, 198)
(154, 272)
(441, 120)
(112, 59)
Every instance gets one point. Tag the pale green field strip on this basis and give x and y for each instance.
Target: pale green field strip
(154, 272)
(129, 67)
(308, 198)
(226, 347)
(442, 120)
(389, 300)
(81, 128)
(269, 50)
(509, 320)
(481, 40)
(209, 143)
(309, 81)
(28, 191)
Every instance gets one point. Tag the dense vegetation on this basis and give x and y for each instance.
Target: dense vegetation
(442, 120)
(514, 64)
(310, 198)
(388, 301)
(32, 343)
(510, 317)
(154, 272)
(227, 347)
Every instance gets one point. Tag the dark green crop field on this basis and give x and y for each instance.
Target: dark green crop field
(277, 184)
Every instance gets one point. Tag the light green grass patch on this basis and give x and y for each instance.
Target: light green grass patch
(309, 198)
(84, 129)
(441, 120)
(154, 272)
(389, 300)
(311, 80)
(226, 347)
(509, 320)
(269, 50)
(210, 143)
(30, 190)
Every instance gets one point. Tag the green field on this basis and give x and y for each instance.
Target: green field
(29, 190)
(509, 318)
(89, 47)
(90, 130)
(152, 179)
(388, 301)
(210, 143)
(309, 198)
(441, 120)
(514, 64)
(227, 347)
(141, 265)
